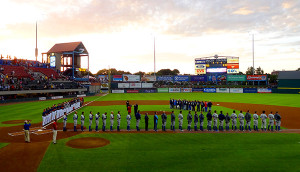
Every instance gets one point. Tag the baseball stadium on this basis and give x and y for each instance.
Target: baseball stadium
(59, 114)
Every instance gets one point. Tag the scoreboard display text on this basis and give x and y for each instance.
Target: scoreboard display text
(226, 65)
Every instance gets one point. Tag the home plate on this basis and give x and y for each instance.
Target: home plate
(40, 130)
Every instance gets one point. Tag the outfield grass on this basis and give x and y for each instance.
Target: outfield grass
(3, 145)
(179, 152)
(33, 110)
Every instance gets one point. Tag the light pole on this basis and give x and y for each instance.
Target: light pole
(36, 49)
(253, 53)
(253, 72)
(154, 55)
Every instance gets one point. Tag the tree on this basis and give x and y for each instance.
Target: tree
(139, 73)
(168, 72)
(273, 78)
(259, 71)
(298, 69)
(249, 71)
(113, 71)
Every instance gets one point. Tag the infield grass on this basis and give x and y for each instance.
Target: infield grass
(179, 152)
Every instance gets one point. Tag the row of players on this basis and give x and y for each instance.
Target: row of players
(195, 105)
(211, 118)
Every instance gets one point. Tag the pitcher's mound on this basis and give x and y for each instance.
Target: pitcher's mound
(14, 122)
(87, 142)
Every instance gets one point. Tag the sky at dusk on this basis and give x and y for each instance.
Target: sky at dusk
(119, 33)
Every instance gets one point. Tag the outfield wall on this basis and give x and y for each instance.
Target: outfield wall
(203, 90)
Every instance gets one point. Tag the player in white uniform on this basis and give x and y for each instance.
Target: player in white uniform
(112, 117)
(90, 120)
(241, 120)
(128, 121)
(180, 120)
(75, 117)
(233, 120)
(82, 120)
(271, 121)
(65, 121)
(263, 118)
(255, 121)
(215, 117)
(104, 121)
(118, 120)
(97, 120)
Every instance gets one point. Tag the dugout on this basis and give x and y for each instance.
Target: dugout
(289, 82)
(63, 56)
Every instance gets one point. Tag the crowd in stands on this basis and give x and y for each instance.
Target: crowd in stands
(19, 74)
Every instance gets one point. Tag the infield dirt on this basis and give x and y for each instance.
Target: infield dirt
(87, 142)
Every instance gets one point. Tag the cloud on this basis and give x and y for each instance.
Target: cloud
(243, 11)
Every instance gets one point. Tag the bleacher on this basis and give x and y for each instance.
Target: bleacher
(46, 71)
(19, 71)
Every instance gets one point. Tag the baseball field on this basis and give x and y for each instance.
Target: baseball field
(152, 151)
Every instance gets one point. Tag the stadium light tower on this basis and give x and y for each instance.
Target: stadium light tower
(36, 49)
(154, 55)
(253, 52)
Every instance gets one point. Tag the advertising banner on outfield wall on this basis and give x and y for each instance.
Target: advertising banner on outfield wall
(132, 91)
(236, 90)
(236, 78)
(209, 90)
(148, 78)
(162, 90)
(233, 66)
(264, 90)
(123, 85)
(117, 78)
(232, 60)
(186, 90)
(256, 77)
(57, 97)
(216, 77)
(222, 90)
(149, 91)
(250, 90)
(135, 85)
(117, 91)
(147, 85)
(42, 98)
(181, 78)
(131, 78)
(232, 71)
(174, 90)
(164, 78)
(199, 78)
(198, 90)
(103, 78)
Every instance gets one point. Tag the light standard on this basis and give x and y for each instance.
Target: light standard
(154, 55)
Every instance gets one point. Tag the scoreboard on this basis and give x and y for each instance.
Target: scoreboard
(217, 64)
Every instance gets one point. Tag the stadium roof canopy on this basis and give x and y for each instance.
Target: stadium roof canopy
(289, 75)
(77, 47)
